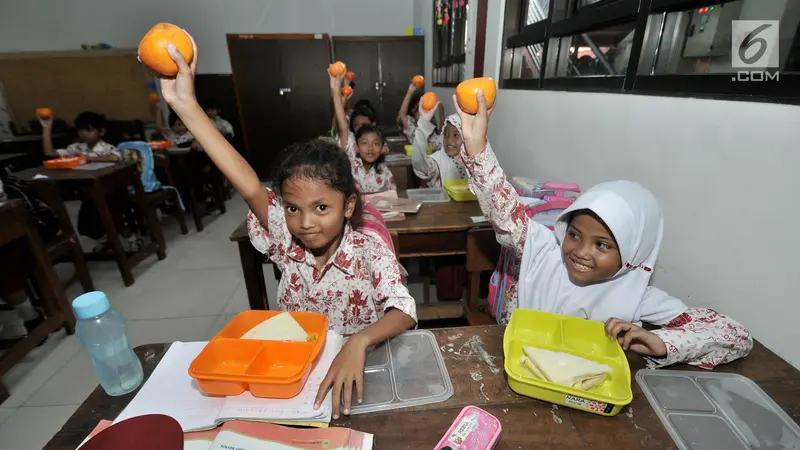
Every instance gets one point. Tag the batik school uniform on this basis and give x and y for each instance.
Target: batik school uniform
(377, 178)
(433, 170)
(101, 148)
(359, 283)
(434, 139)
(697, 336)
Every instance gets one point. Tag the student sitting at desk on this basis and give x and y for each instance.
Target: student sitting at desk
(91, 128)
(408, 117)
(597, 265)
(444, 164)
(309, 227)
(365, 146)
(224, 127)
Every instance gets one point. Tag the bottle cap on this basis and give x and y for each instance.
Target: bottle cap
(91, 304)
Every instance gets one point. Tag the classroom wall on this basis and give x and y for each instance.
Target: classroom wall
(32, 25)
(724, 172)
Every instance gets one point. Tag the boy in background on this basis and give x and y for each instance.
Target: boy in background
(224, 127)
(91, 128)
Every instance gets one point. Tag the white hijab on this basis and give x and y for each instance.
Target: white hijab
(634, 217)
(450, 167)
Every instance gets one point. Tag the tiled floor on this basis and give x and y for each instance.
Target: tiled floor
(187, 297)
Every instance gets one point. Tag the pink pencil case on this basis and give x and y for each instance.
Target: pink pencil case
(473, 429)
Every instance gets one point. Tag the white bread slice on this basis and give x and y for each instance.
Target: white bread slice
(563, 368)
(282, 327)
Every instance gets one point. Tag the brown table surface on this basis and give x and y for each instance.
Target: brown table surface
(481, 381)
(68, 174)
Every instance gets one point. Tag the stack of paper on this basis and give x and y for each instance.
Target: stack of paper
(171, 391)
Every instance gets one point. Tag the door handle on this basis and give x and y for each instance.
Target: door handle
(282, 91)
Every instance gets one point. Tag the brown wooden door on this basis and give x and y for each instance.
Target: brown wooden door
(361, 57)
(401, 59)
(384, 67)
(281, 91)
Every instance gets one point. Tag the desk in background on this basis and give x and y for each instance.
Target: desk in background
(479, 379)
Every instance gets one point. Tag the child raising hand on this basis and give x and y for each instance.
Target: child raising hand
(309, 228)
(597, 265)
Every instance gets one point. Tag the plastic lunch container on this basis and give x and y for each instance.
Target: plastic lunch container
(459, 190)
(229, 365)
(410, 149)
(66, 162)
(428, 195)
(717, 410)
(579, 337)
(473, 429)
(406, 371)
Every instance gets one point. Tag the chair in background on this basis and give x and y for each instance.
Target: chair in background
(156, 195)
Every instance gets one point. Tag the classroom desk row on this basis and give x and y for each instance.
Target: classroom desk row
(438, 229)
(476, 369)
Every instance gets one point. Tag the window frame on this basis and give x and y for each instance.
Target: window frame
(452, 60)
(565, 19)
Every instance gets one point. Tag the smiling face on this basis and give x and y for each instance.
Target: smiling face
(370, 147)
(452, 140)
(589, 250)
(315, 213)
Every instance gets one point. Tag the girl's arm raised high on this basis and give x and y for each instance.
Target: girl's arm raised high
(179, 93)
(342, 127)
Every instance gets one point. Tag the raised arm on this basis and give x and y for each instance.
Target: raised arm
(424, 166)
(338, 109)
(402, 115)
(47, 136)
(498, 199)
(179, 93)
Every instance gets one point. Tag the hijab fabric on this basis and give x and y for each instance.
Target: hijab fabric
(634, 217)
(450, 167)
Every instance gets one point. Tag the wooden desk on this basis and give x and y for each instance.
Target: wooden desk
(439, 229)
(182, 166)
(15, 223)
(527, 423)
(96, 186)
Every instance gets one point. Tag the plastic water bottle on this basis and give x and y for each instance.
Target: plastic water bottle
(101, 331)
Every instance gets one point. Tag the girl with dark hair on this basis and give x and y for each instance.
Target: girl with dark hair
(364, 145)
(306, 227)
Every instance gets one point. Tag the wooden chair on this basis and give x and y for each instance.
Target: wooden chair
(482, 254)
(15, 223)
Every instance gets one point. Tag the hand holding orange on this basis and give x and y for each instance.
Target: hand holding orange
(347, 91)
(337, 69)
(153, 48)
(466, 94)
(429, 101)
(418, 81)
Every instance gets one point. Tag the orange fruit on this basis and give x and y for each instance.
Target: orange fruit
(347, 91)
(468, 98)
(337, 68)
(350, 76)
(152, 97)
(418, 81)
(429, 100)
(153, 48)
(44, 113)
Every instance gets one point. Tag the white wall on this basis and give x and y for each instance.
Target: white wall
(31, 25)
(724, 172)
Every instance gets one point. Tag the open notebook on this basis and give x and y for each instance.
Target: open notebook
(171, 391)
(262, 436)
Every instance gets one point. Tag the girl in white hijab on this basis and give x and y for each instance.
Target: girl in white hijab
(444, 164)
(597, 265)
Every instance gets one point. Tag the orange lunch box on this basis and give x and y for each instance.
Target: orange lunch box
(160, 145)
(229, 365)
(66, 162)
